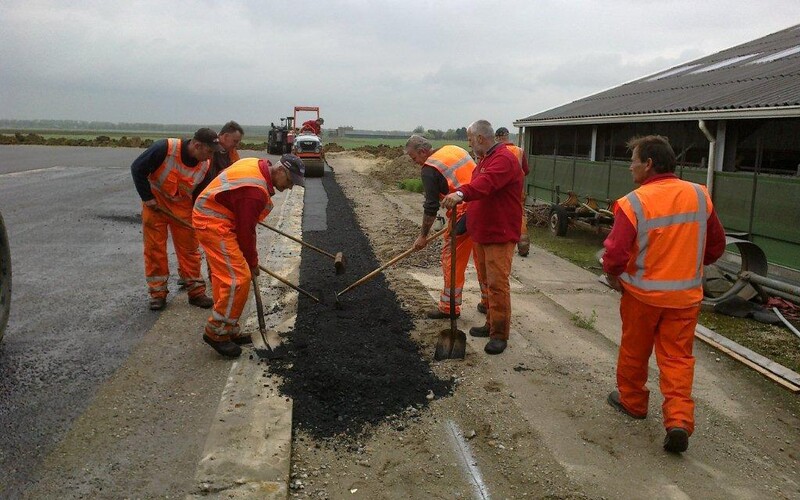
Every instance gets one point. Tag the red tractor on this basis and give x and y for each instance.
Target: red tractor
(307, 144)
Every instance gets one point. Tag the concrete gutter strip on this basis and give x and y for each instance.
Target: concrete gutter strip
(247, 454)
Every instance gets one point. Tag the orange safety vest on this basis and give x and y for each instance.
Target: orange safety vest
(173, 181)
(666, 267)
(456, 165)
(518, 152)
(208, 212)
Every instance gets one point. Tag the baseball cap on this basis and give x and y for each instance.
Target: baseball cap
(296, 169)
(208, 137)
(501, 131)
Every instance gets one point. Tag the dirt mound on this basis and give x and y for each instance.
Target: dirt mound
(394, 171)
(332, 147)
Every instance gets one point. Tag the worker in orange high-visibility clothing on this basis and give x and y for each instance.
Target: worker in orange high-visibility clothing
(501, 135)
(230, 135)
(165, 175)
(225, 217)
(664, 232)
(443, 171)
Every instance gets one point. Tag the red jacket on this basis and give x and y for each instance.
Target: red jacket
(494, 210)
(311, 125)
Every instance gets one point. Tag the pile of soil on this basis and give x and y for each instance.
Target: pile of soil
(396, 170)
(350, 367)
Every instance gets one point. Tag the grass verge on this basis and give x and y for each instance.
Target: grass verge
(775, 342)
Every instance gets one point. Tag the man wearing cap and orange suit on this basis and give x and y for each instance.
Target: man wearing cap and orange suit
(225, 217)
(165, 175)
(664, 232)
(443, 171)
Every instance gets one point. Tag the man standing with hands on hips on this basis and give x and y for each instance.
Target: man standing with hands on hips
(493, 215)
(664, 232)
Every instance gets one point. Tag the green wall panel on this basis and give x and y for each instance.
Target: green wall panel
(777, 210)
(733, 192)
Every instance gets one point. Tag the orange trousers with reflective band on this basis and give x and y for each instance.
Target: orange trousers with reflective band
(463, 250)
(155, 228)
(230, 281)
(493, 263)
(671, 332)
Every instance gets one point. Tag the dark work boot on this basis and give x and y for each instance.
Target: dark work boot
(157, 303)
(676, 440)
(437, 314)
(495, 346)
(613, 400)
(479, 331)
(225, 347)
(203, 301)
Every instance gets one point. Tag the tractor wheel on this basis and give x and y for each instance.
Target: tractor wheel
(315, 167)
(559, 220)
(5, 278)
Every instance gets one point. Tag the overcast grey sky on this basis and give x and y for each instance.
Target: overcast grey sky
(374, 64)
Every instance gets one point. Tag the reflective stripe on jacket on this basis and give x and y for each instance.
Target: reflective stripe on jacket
(209, 212)
(174, 181)
(456, 166)
(666, 265)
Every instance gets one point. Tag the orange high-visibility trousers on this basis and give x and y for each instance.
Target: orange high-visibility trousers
(671, 331)
(524, 237)
(230, 281)
(479, 268)
(463, 250)
(155, 229)
(494, 262)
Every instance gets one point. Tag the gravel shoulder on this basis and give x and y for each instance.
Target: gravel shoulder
(536, 417)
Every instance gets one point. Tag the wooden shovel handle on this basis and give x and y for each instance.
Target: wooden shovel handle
(287, 283)
(172, 216)
(298, 240)
(392, 261)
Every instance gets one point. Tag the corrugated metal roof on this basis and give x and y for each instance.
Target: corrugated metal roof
(763, 73)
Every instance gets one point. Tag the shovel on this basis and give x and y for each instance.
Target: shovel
(262, 325)
(452, 343)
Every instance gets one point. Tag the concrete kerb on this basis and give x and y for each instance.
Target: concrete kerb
(248, 450)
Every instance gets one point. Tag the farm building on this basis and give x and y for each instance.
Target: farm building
(732, 117)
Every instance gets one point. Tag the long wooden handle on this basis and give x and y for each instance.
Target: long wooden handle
(262, 325)
(290, 285)
(171, 215)
(309, 245)
(392, 261)
(453, 327)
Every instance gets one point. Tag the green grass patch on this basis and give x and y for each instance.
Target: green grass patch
(413, 185)
(578, 247)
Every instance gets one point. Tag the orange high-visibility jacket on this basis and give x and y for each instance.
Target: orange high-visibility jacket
(518, 152)
(208, 212)
(456, 165)
(173, 181)
(666, 266)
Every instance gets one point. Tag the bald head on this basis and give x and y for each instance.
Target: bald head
(481, 128)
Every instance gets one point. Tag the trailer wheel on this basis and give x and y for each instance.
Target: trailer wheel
(5, 278)
(559, 220)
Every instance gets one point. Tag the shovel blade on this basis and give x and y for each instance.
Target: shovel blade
(452, 344)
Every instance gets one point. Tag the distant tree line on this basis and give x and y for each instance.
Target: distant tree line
(83, 125)
(459, 134)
